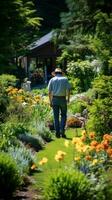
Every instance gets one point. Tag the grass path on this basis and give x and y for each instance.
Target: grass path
(52, 165)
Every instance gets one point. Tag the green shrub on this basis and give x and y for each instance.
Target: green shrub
(7, 80)
(4, 101)
(83, 70)
(107, 180)
(44, 131)
(10, 131)
(77, 106)
(100, 116)
(70, 185)
(9, 176)
(100, 112)
(102, 87)
(75, 85)
(24, 158)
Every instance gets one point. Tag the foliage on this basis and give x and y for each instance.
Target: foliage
(9, 176)
(69, 185)
(100, 112)
(84, 71)
(107, 180)
(43, 131)
(91, 155)
(100, 116)
(85, 33)
(77, 106)
(102, 87)
(75, 85)
(4, 101)
(10, 131)
(19, 23)
(24, 158)
(8, 80)
(35, 142)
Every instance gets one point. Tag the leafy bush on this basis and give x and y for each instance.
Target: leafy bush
(75, 85)
(34, 142)
(100, 113)
(6, 80)
(4, 101)
(70, 185)
(83, 70)
(9, 176)
(77, 106)
(102, 87)
(10, 131)
(24, 158)
(107, 180)
(100, 116)
(44, 131)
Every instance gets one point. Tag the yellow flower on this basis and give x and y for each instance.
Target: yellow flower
(95, 161)
(77, 158)
(84, 133)
(76, 140)
(43, 161)
(66, 143)
(62, 153)
(59, 156)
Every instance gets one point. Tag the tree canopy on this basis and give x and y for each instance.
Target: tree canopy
(19, 24)
(86, 32)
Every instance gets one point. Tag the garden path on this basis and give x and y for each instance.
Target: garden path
(34, 191)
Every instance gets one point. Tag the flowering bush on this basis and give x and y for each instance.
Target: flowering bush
(91, 155)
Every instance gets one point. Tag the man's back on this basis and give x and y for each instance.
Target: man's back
(59, 85)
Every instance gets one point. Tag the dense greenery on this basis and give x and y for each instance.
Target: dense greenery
(19, 24)
(69, 185)
(9, 176)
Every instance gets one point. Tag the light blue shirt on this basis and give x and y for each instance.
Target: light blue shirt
(59, 85)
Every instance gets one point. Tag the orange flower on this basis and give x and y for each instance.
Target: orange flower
(105, 144)
(99, 147)
(107, 137)
(94, 143)
(33, 166)
(83, 138)
(92, 135)
(109, 152)
(88, 157)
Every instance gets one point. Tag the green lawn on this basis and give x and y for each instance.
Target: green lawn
(50, 151)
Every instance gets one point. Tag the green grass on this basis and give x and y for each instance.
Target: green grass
(50, 151)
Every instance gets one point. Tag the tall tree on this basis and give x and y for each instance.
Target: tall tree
(50, 11)
(86, 31)
(19, 21)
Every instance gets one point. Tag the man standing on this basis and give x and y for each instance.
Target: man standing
(59, 96)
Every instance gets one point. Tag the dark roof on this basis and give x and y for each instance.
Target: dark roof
(43, 40)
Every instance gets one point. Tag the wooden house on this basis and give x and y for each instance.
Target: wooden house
(40, 60)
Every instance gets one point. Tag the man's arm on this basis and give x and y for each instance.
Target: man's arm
(68, 96)
(50, 98)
